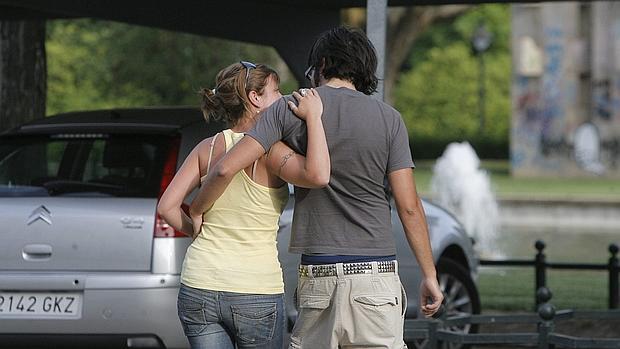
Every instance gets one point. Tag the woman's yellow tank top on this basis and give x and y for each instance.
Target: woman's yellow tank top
(236, 250)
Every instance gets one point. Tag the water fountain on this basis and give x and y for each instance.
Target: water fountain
(460, 186)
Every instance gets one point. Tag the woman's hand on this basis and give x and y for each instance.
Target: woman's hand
(310, 104)
(313, 170)
(197, 225)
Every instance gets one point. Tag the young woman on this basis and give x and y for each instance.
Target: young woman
(232, 293)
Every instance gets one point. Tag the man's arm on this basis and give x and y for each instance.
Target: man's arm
(411, 213)
(242, 155)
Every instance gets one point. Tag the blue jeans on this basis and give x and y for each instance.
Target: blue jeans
(227, 320)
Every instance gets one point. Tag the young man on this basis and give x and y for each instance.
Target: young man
(349, 293)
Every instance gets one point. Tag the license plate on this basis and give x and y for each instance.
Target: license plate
(36, 305)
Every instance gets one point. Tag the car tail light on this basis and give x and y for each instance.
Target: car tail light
(163, 229)
(170, 166)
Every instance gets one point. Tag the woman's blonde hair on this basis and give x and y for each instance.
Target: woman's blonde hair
(229, 100)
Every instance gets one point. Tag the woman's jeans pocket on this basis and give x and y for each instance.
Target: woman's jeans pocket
(255, 323)
(239, 320)
(191, 313)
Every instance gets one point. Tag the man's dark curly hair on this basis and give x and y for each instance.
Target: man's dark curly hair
(347, 54)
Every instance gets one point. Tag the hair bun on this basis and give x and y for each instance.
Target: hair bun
(205, 92)
(211, 105)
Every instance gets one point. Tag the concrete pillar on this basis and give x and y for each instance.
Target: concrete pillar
(605, 92)
(376, 27)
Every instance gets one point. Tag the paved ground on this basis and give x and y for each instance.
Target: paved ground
(577, 328)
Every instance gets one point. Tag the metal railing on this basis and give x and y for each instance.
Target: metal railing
(541, 265)
(434, 334)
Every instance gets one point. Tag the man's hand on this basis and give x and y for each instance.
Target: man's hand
(430, 291)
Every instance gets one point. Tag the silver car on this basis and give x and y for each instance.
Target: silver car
(84, 258)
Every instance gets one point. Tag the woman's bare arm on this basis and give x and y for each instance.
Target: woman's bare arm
(184, 181)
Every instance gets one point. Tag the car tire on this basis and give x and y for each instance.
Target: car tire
(461, 294)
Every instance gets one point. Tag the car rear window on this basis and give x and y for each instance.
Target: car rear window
(82, 165)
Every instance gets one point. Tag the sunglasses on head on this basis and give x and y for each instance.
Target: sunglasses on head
(247, 66)
(309, 73)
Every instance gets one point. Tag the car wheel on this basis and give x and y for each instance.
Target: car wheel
(461, 294)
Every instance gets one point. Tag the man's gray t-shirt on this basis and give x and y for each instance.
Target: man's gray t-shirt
(367, 139)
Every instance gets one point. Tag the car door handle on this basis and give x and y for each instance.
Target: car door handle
(37, 252)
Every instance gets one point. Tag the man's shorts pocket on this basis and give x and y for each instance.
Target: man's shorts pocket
(313, 302)
(377, 302)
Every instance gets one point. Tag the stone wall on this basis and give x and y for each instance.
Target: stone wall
(566, 89)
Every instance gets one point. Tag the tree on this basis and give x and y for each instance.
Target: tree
(22, 72)
(100, 64)
(405, 26)
(438, 95)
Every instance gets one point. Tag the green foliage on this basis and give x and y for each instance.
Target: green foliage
(99, 64)
(438, 96)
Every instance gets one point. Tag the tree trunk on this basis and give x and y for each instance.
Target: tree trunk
(23, 72)
(405, 26)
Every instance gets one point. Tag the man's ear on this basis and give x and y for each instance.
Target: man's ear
(318, 73)
(255, 99)
(322, 67)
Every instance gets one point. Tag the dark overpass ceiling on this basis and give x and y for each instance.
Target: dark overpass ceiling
(288, 25)
(191, 10)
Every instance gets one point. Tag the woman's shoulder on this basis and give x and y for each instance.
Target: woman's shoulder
(204, 147)
(205, 143)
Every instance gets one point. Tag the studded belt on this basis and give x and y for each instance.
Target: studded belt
(347, 268)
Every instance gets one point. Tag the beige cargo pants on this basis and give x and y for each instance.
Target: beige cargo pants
(350, 311)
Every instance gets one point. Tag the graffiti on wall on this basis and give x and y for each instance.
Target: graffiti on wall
(605, 103)
(553, 108)
(544, 137)
(540, 108)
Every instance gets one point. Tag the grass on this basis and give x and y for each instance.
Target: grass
(512, 289)
(507, 186)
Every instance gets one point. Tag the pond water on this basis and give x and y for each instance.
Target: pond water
(561, 245)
